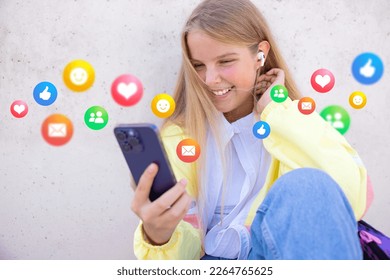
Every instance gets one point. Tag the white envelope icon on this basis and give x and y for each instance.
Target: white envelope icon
(57, 130)
(188, 151)
(306, 106)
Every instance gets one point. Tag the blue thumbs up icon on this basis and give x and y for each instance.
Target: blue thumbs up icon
(367, 68)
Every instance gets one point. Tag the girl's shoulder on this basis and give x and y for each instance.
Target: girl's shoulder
(172, 130)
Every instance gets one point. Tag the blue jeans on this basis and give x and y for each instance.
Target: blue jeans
(305, 215)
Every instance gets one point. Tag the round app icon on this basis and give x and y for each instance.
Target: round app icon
(337, 116)
(19, 109)
(261, 130)
(306, 105)
(279, 93)
(322, 80)
(57, 130)
(188, 150)
(96, 117)
(357, 100)
(163, 105)
(127, 90)
(367, 68)
(45, 93)
(79, 75)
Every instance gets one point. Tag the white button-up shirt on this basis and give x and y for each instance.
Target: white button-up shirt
(247, 164)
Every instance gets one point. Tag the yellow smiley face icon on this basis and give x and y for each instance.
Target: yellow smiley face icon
(357, 100)
(163, 105)
(79, 75)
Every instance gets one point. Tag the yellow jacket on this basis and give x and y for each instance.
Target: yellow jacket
(295, 141)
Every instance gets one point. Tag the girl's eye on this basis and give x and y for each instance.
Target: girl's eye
(226, 61)
(197, 65)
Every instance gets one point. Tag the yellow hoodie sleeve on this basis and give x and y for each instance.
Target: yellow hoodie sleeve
(185, 242)
(297, 140)
(183, 245)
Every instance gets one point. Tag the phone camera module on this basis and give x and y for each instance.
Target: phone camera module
(136, 145)
(131, 141)
(132, 133)
(134, 141)
(126, 147)
(121, 135)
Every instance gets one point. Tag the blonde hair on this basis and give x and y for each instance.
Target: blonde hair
(236, 22)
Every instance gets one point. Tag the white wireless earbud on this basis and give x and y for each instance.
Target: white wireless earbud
(261, 58)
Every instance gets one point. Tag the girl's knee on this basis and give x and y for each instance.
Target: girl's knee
(303, 187)
(306, 180)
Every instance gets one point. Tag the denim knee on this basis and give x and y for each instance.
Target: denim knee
(307, 185)
(305, 215)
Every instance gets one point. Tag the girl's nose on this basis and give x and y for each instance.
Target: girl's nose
(212, 77)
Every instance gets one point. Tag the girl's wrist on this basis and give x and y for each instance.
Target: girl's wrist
(149, 240)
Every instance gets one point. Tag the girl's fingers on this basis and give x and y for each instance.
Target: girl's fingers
(275, 72)
(141, 194)
(265, 84)
(278, 74)
(166, 201)
(262, 86)
(179, 209)
(264, 77)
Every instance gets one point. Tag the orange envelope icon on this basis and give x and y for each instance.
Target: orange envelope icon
(306, 106)
(57, 130)
(188, 151)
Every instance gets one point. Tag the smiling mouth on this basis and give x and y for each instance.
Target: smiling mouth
(222, 91)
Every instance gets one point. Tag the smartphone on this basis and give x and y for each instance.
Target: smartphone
(141, 145)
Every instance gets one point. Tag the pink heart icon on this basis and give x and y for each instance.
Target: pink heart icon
(322, 80)
(19, 109)
(127, 90)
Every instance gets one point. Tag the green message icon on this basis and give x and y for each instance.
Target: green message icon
(96, 117)
(279, 93)
(337, 116)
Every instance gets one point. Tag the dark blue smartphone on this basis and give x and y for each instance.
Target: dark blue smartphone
(141, 145)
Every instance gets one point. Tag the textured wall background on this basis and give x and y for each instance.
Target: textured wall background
(73, 202)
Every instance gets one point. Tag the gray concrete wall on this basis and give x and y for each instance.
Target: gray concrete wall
(73, 202)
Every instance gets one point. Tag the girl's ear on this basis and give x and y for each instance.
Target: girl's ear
(263, 49)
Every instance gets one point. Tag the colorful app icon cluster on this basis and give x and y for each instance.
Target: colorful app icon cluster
(79, 76)
(126, 90)
(367, 68)
(57, 129)
(323, 81)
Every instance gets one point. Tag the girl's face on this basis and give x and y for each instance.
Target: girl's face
(229, 71)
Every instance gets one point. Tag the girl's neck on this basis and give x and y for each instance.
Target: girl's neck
(238, 113)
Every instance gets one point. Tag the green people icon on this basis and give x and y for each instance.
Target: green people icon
(279, 93)
(96, 117)
(338, 117)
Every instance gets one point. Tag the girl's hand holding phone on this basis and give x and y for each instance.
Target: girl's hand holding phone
(265, 83)
(161, 216)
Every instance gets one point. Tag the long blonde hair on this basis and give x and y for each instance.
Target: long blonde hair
(236, 22)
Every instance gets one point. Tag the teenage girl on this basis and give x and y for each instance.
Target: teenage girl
(294, 195)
